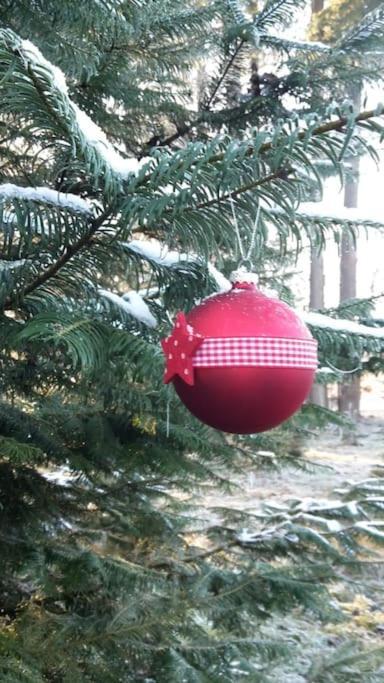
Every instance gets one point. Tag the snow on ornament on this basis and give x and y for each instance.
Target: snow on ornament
(241, 361)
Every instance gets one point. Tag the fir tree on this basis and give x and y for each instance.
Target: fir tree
(116, 198)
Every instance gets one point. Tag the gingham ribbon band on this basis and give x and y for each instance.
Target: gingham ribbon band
(256, 352)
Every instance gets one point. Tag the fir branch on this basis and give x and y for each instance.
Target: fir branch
(223, 75)
(329, 127)
(184, 130)
(280, 174)
(367, 35)
(277, 12)
(65, 257)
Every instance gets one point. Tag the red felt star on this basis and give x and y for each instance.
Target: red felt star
(179, 348)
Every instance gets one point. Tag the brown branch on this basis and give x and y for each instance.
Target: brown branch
(180, 132)
(336, 125)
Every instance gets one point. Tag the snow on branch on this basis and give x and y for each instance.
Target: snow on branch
(46, 195)
(96, 138)
(131, 303)
(223, 284)
(343, 326)
(157, 252)
(90, 131)
(323, 212)
(286, 44)
(11, 265)
(374, 529)
(161, 254)
(33, 56)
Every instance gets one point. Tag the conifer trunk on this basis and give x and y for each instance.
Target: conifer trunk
(316, 298)
(349, 391)
(318, 393)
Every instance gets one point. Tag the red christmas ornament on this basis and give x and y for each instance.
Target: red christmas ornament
(240, 361)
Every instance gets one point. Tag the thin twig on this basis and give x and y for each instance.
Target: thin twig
(241, 190)
(223, 75)
(183, 130)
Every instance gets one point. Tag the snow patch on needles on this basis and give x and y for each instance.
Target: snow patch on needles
(133, 304)
(10, 265)
(46, 195)
(96, 138)
(324, 211)
(90, 131)
(161, 254)
(325, 371)
(223, 284)
(35, 57)
(157, 252)
(340, 325)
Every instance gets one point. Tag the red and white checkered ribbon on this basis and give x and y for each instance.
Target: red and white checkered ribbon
(256, 352)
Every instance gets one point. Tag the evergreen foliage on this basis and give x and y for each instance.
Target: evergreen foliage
(107, 572)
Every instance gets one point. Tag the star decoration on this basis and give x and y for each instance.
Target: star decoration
(179, 348)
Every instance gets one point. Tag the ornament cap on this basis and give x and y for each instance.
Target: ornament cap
(243, 279)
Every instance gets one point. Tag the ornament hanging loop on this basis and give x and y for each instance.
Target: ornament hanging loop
(246, 265)
(245, 262)
(345, 372)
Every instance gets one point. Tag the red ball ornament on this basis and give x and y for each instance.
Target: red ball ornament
(241, 361)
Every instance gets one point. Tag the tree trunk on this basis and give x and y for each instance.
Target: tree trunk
(318, 393)
(316, 296)
(349, 391)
